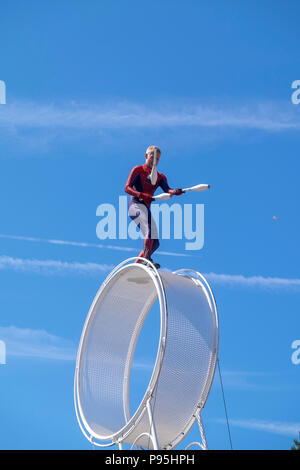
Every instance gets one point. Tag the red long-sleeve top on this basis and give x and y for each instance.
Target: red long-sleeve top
(139, 182)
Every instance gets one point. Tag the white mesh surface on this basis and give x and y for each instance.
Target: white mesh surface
(107, 349)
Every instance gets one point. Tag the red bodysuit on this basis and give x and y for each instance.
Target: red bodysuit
(139, 182)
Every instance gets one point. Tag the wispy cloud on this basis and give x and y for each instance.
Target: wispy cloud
(275, 427)
(52, 266)
(245, 380)
(256, 381)
(89, 117)
(92, 269)
(253, 281)
(84, 244)
(26, 342)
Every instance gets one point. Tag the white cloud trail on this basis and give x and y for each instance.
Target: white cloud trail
(84, 244)
(27, 342)
(52, 266)
(252, 281)
(73, 116)
(92, 269)
(275, 427)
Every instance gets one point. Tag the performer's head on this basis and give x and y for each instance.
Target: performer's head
(150, 155)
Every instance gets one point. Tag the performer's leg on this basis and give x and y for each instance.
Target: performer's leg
(150, 246)
(139, 213)
(155, 245)
(148, 243)
(142, 216)
(151, 242)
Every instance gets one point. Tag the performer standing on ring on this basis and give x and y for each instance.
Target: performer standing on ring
(141, 186)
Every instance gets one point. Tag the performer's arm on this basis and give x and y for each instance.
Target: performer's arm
(166, 188)
(130, 182)
(164, 184)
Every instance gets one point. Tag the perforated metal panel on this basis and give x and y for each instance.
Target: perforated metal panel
(185, 360)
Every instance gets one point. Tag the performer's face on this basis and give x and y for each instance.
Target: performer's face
(150, 158)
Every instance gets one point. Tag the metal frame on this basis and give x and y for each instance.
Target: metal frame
(119, 437)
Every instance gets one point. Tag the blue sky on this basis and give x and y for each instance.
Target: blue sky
(89, 85)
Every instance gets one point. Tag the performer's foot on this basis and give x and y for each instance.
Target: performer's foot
(157, 265)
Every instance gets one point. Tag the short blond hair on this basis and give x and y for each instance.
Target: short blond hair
(153, 147)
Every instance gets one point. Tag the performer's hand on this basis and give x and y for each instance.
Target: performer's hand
(176, 192)
(146, 197)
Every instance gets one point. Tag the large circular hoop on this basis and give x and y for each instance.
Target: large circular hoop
(180, 295)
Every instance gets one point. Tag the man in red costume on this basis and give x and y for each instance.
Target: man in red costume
(141, 186)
